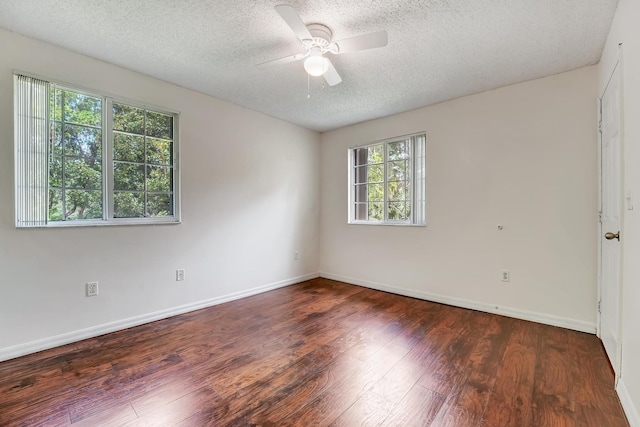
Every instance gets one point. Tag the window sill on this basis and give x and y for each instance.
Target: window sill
(392, 224)
(101, 223)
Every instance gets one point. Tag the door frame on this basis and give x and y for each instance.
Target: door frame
(616, 364)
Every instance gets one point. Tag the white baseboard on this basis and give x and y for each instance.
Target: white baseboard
(547, 319)
(94, 331)
(627, 404)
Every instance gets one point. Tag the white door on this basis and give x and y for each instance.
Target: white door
(611, 209)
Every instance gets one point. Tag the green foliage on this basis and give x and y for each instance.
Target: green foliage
(128, 205)
(143, 159)
(128, 176)
(128, 148)
(81, 109)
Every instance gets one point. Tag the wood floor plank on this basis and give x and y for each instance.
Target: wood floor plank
(448, 366)
(335, 400)
(421, 360)
(429, 316)
(466, 404)
(370, 409)
(553, 397)
(37, 418)
(112, 417)
(593, 390)
(155, 398)
(319, 352)
(304, 381)
(198, 407)
(419, 407)
(510, 400)
(283, 353)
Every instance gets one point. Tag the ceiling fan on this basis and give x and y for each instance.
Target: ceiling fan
(316, 41)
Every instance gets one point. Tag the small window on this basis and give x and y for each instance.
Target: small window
(87, 159)
(387, 182)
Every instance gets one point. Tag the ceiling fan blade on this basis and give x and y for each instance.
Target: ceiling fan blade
(293, 20)
(285, 60)
(363, 42)
(331, 76)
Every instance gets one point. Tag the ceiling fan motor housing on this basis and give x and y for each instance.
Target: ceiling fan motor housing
(321, 38)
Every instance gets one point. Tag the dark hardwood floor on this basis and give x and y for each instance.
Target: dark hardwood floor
(319, 353)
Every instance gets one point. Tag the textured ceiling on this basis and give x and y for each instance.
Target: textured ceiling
(438, 49)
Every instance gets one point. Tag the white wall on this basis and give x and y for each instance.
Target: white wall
(250, 192)
(523, 156)
(625, 30)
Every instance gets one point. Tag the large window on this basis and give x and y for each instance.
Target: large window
(87, 159)
(387, 182)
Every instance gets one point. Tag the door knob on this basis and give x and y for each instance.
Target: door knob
(611, 236)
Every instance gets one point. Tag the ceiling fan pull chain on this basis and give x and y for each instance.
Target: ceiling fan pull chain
(308, 94)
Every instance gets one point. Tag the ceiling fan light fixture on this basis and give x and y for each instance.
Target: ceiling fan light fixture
(316, 64)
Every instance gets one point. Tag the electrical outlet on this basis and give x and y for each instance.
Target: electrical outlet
(504, 275)
(296, 255)
(180, 275)
(92, 289)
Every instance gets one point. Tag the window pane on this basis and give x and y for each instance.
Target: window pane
(397, 171)
(82, 109)
(82, 141)
(159, 151)
(55, 171)
(55, 105)
(128, 119)
(55, 138)
(128, 176)
(360, 174)
(375, 192)
(143, 163)
(81, 204)
(360, 211)
(128, 147)
(159, 178)
(397, 211)
(360, 156)
(376, 153)
(376, 211)
(159, 125)
(398, 191)
(128, 205)
(159, 205)
(82, 173)
(398, 150)
(56, 212)
(360, 193)
(375, 173)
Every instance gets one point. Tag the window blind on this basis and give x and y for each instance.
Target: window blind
(31, 145)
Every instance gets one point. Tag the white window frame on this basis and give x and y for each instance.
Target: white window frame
(107, 163)
(417, 166)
